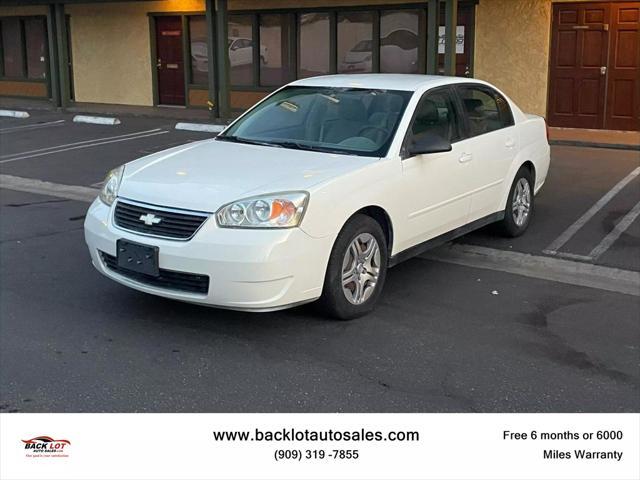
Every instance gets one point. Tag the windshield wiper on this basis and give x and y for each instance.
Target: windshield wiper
(306, 146)
(283, 144)
(234, 138)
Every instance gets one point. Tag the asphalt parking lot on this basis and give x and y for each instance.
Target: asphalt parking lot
(463, 335)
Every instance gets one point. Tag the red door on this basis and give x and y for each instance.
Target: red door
(170, 61)
(577, 82)
(594, 77)
(623, 84)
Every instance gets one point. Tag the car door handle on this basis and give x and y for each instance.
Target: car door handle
(465, 157)
(510, 143)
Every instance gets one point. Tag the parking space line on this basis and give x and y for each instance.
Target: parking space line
(557, 244)
(32, 126)
(33, 185)
(77, 143)
(614, 234)
(86, 145)
(544, 268)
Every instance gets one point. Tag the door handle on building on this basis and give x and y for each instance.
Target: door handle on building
(603, 70)
(159, 63)
(465, 157)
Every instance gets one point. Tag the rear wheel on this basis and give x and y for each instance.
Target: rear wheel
(357, 269)
(519, 208)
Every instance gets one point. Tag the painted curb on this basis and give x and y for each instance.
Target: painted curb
(200, 127)
(577, 143)
(96, 120)
(14, 114)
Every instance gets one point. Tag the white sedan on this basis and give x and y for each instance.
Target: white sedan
(317, 190)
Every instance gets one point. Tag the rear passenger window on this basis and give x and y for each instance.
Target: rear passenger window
(436, 114)
(486, 110)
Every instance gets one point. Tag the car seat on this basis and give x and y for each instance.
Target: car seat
(476, 115)
(350, 118)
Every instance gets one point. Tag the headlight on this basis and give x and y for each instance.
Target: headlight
(276, 210)
(109, 191)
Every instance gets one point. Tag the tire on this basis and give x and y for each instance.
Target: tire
(520, 205)
(367, 271)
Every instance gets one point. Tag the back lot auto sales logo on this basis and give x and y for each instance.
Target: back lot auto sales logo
(47, 447)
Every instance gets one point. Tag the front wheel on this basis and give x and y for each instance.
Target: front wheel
(357, 269)
(519, 208)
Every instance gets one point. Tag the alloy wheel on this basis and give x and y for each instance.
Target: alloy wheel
(521, 202)
(361, 268)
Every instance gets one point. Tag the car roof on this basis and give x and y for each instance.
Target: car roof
(384, 81)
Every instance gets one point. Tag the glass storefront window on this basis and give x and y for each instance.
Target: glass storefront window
(399, 41)
(36, 43)
(240, 47)
(314, 56)
(274, 50)
(12, 48)
(198, 50)
(355, 33)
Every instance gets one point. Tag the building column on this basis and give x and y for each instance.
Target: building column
(61, 60)
(54, 80)
(222, 59)
(450, 24)
(433, 22)
(57, 39)
(212, 101)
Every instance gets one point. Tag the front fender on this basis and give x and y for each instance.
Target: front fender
(333, 202)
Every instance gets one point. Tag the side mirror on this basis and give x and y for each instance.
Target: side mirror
(427, 142)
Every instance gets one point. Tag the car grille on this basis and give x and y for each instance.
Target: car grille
(169, 279)
(176, 224)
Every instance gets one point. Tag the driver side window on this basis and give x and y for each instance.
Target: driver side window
(436, 115)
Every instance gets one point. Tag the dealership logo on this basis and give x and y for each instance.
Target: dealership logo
(45, 446)
(150, 219)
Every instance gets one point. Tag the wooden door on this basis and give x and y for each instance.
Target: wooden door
(170, 61)
(577, 77)
(622, 111)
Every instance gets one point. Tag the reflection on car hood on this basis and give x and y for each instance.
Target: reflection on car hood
(206, 175)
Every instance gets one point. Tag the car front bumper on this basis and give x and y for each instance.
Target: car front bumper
(248, 269)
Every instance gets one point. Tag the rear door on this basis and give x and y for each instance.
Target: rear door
(437, 186)
(492, 144)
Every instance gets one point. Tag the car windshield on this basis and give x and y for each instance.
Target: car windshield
(354, 121)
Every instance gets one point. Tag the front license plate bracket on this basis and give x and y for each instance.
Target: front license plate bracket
(138, 258)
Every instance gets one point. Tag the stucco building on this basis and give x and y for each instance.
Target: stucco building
(576, 63)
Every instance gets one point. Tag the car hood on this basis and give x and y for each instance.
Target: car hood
(205, 175)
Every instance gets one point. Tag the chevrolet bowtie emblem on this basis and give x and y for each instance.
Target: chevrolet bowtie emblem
(150, 219)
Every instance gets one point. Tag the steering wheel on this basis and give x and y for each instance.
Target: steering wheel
(385, 131)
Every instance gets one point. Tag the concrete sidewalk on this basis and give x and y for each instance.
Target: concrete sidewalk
(584, 137)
